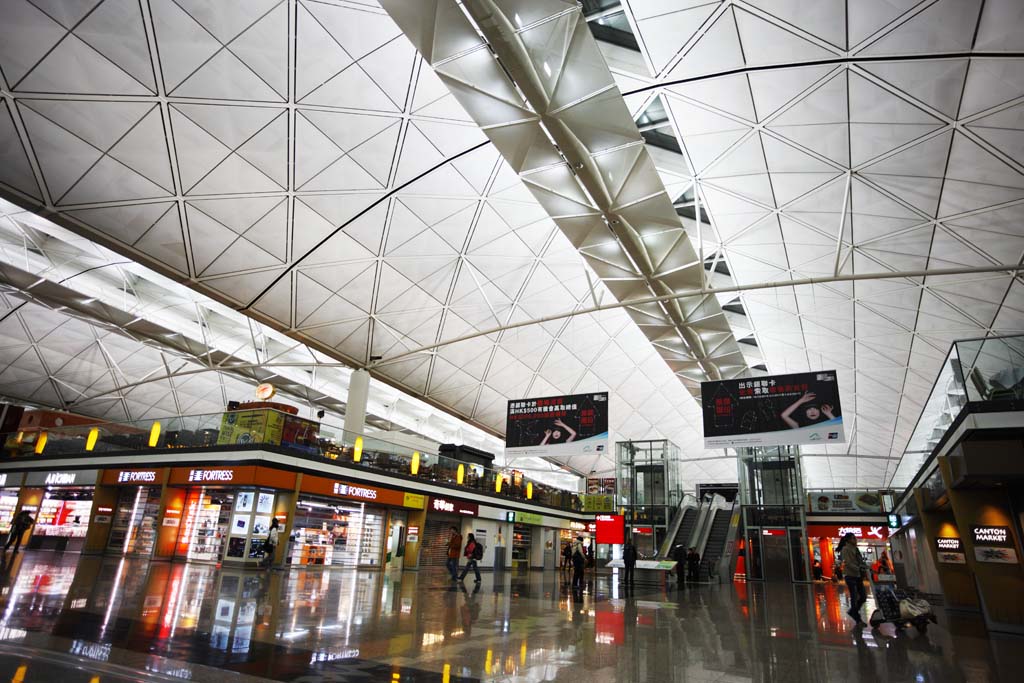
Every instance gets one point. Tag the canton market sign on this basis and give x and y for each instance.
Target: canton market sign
(993, 544)
(454, 506)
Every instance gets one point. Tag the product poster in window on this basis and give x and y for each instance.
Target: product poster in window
(244, 501)
(240, 525)
(265, 503)
(557, 425)
(802, 408)
(261, 526)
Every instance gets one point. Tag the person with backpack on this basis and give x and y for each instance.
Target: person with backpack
(474, 551)
(271, 543)
(579, 561)
(566, 557)
(454, 548)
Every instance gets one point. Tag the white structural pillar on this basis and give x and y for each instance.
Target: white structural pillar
(355, 404)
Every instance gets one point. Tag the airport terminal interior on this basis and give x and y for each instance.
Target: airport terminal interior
(511, 340)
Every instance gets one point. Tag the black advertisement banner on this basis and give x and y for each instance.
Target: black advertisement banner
(801, 408)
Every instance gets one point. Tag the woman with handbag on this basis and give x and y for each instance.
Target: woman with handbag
(855, 570)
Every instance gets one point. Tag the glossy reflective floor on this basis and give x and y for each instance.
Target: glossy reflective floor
(101, 619)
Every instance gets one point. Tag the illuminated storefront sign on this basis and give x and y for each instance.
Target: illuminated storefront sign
(343, 489)
(74, 478)
(454, 506)
(201, 476)
(866, 532)
(362, 492)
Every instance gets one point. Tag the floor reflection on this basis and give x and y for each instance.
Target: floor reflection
(189, 621)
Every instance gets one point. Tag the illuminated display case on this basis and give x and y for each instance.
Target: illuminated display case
(336, 535)
(63, 518)
(8, 502)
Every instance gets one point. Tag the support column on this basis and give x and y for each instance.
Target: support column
(957, 581)
(355, 404)
(996, 581)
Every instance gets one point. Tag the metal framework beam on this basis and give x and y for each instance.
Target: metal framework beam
(934, 272)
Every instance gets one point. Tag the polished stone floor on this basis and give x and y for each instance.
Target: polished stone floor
(96, 619)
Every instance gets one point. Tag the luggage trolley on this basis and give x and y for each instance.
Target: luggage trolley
(888, 599)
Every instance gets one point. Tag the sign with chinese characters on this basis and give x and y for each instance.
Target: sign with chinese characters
(610, 529)
(894, 521)
(844, 501)
(529, 518)
(993, 544)
(454, 506)
(801, 408)
(598, 503)
(865, 532)
(557, 426)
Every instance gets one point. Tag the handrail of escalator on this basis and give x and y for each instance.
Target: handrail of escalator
(688, 501)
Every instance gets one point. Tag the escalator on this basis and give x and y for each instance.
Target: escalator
(718, 538)
(685, 529)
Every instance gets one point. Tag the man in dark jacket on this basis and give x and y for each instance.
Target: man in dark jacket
(679, 555)
(579, 561)
(693, 565)
(22, 522)
(629, 562)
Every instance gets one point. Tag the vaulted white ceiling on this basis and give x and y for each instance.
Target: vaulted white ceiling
(850, 138)
(298, 161)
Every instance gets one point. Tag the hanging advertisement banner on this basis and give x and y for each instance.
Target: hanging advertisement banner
(561, 426)
(844, 501)
(802, 408)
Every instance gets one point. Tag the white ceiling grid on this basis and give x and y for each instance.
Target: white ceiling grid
(850, 138)
(297, 160)
(170, 346)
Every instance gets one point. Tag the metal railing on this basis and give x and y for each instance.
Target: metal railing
(266, 428)
(987, 371)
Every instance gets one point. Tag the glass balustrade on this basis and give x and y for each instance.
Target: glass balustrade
(271, 429)
(985, 372)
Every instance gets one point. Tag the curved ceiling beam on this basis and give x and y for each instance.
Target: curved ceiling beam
(825, 62)
(934, 272)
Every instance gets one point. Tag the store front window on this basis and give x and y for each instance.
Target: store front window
(206, 523)
(133, 530)
(334, 533)
(8, 503)
(64, 513)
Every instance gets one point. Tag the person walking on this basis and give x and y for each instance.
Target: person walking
(693, 565)
(474, 551)
(566, 557)
(579, 561)
(22, 522)
(629, 562)
(855, 570)
(271, 543)
(679, 555)
(454, 548)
